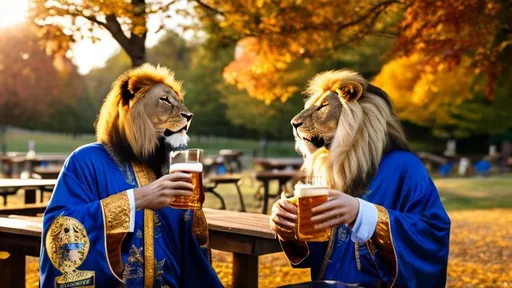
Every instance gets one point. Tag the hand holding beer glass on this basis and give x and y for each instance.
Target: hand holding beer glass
(291, 218)
(188, 161)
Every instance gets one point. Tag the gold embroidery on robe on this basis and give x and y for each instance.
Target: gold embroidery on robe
(144, 177)
(116, 221)
(67, 245)
(382, 239)
(200, 228)
(116, 210)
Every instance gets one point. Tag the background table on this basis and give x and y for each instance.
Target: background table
(11, 186)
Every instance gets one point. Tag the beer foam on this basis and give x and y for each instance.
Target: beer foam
(305, 190)
(187, 167)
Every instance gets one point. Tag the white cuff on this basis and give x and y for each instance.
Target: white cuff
(131, 199)
(366, 222)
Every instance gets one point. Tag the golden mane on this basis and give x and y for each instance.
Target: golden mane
(122, 124)
(366, 129)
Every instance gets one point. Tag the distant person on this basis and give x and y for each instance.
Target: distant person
(389, 227)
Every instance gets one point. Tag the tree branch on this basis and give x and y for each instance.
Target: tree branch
(209, 8)
(113, 26)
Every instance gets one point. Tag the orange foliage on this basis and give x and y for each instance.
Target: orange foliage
(445, 33)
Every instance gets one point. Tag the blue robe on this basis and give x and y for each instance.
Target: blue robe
(419, 228)
(85, 242)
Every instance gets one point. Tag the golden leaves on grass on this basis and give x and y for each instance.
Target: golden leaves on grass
(480, 249)
(480, 253)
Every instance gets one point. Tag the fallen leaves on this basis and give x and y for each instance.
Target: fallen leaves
(480, 255)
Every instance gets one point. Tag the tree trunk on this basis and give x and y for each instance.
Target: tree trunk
(137, 61)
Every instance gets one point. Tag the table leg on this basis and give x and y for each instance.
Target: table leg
(12, 271)
(30, 196)
(245, 271)
(241, 197)
(222, 203)
(265, 196)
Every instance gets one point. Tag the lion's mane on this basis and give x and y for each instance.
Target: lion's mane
(367, 128)
(122, 124)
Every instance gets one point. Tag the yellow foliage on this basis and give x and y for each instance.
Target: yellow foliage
(426, 95)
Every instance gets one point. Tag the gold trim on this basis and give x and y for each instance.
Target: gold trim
(383, 239)
(145, 176)
(116, 210)
(149, 248)
(358, 259)
(371, 250)
(106, 248)
(328, 253)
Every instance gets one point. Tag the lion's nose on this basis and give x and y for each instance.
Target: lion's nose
(296, 124)
(187, 116)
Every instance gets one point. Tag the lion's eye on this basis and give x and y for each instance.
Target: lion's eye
(322, 106)
(166, 100)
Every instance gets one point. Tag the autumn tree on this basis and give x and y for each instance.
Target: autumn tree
(450, 101)
(63, 22)
(274, 34)
(30, 80)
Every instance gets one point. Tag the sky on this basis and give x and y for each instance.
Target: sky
(85, 54)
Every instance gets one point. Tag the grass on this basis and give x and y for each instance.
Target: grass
(17, 140)
(456, 193)
(476, 193)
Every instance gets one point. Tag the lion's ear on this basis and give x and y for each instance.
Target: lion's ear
(126, 94)
(350, 90)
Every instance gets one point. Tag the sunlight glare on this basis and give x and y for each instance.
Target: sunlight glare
(13, 12)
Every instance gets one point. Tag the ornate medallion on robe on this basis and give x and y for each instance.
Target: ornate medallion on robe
(67, 245)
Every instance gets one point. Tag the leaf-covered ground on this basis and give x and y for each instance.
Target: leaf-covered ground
(480, 255)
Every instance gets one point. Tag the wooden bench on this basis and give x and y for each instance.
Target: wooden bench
(11, 186)
(246, 235)
(27, 210)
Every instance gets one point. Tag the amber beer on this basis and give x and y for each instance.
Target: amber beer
(196, 172)
(309, 196)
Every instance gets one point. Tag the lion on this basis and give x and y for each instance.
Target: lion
(346, 126)
(118, 192)
(149, 119)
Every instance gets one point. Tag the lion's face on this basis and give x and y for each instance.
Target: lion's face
(167, 113)
(315, 126)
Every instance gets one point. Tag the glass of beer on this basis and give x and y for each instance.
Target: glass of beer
(309, 196)
(189, 161)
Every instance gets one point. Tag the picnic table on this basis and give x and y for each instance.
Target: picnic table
(48, 172)
(213, 181)
(15, 161)
(231, 159)
(11, 186)
(279, 163)
(246, 235)
(281, 176)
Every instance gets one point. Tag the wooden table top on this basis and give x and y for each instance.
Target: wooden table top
(22, 183)
(224, 178)
(271, 175)
(228, 152)
(248, 224)
(38, 157)
(280, 161)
